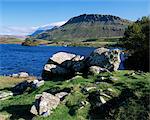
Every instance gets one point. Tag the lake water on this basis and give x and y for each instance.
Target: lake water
(16, 58)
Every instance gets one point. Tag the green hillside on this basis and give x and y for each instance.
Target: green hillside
(87, 26)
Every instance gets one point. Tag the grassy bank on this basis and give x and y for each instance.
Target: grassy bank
(134, 89)
(6, 81)
(101, 42)
(10, 41)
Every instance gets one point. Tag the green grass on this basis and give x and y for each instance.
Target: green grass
(134, 108)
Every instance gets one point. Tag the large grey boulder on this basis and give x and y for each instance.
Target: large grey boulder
(44, 104)
(63, 64)
(105, 58)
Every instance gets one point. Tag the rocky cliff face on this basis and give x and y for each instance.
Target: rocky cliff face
(87, 26)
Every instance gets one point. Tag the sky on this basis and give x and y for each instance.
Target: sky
(21, 17)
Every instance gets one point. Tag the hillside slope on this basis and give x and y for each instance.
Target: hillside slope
(87, 26)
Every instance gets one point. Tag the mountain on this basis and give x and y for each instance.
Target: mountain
(87, 26)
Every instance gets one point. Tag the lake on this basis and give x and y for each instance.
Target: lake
(16, 58)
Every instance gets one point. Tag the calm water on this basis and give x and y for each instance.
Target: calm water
(17, 58)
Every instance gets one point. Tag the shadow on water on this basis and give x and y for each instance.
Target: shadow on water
(19, 111)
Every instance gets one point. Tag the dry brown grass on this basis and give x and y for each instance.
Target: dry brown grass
(6, 81)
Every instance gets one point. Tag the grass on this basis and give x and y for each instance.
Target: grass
(10, 41)
(133, 107)
(6, 81)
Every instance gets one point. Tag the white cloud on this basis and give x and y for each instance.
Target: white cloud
(58, 23)
(14, 30)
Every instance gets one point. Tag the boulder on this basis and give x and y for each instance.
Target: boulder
(104, 58)
(5, 95)
(15, 75)
(44, 104)
(97, 70)
(37, 83)
(63, 64)
(55, 69)
(66, 65)
(23, 75)
(62, 57)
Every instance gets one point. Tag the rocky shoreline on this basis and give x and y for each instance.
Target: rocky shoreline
(76, 86)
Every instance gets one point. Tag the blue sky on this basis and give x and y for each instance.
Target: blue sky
(31, 14)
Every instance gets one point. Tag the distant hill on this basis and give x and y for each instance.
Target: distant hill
(11, 39)
(87, 26)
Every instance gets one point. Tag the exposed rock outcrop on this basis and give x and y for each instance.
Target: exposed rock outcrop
(105, 58)
(66, 64)
(63, 64)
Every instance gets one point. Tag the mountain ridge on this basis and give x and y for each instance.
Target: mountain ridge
(87, 26)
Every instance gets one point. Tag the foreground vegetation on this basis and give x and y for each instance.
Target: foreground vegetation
(129, 98)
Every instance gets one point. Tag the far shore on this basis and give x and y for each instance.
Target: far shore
(48, 43)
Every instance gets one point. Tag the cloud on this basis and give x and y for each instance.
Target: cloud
(58, 23)
(15, 30)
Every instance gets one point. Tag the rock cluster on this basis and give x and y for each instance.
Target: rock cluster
(67, 64)
(20, 75)
(63, 64)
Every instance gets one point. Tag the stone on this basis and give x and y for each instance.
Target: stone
(61, 57)
(85, 90)
(5, 95)
(23, 75)
(90, 88)
(63, 64)
(113, 78)
(109, 89)
(37, 83)
(105, 95)
(15, 75)
(44, 104)
(55, 69)
(61, 95)
(105, 58)
(102, 99)
(97, 70)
